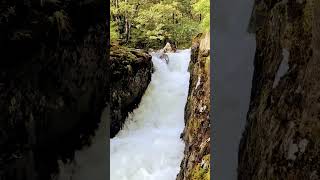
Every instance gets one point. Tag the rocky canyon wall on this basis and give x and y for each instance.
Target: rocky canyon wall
(281, 139)
(53, 82)
(196, 135)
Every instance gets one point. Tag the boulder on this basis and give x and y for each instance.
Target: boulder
(168, 48)
(164, 57)
(130, 72)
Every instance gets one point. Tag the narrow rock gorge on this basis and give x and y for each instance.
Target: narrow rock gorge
(130, 74)
(281, 139)
(53, 82)
(196, 135)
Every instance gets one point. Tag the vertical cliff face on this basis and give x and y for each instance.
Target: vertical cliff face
(281, 139)
(53, 82)
(196, 162)
(130, 74)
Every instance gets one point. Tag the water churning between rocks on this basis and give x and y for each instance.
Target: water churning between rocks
(148, 147)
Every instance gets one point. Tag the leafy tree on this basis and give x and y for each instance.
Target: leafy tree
(202, 7)
(114, 35)
(150, 23)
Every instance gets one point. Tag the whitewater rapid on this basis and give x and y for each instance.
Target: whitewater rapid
(149, 146)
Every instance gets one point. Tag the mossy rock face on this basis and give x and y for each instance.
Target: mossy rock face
(130, 71)
(281, 139)
(202, 170)
(196, 162)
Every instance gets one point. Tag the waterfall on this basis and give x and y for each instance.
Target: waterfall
(148, 147)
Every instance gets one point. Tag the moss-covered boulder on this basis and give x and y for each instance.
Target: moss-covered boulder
(130, 74)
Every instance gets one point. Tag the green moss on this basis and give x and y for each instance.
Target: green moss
(194, 125)
(202, 170)
(122, 52)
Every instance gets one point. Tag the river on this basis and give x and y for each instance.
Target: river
(149, 145)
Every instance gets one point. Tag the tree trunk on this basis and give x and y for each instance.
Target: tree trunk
(126, 33)
(128, 30)
(173, 18)
(117, 18)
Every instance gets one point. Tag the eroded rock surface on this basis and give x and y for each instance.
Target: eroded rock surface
(282, 135)
(130, 74)
(196, 162)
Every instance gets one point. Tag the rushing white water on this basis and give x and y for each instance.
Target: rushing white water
(149, 145)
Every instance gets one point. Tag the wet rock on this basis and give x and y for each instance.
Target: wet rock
(281, 138)
(130, 76)
(168, 48)
(165, 57)
(196, 135)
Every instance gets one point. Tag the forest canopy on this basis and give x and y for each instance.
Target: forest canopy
(152, 23)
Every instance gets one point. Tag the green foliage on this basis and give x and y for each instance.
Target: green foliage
(184, 32)
(149, 23)
(155, 21)
(114, 35)
(203, 7)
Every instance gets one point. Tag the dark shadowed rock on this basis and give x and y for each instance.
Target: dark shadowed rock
(53, 82)
(164, 57)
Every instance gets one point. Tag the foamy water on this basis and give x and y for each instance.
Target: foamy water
(149, 145)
